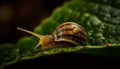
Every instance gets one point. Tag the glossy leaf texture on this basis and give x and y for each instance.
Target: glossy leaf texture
(100, 18)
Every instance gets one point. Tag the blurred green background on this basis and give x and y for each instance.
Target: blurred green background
(100, 18)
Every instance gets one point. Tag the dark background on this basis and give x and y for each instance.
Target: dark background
(23, 13)
(28, 14)
(68, 61)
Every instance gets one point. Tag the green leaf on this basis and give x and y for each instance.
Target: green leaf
(100, 18)
(8, 52)
(96, 18)
(26, 45)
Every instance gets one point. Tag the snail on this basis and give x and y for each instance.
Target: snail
(67, 34)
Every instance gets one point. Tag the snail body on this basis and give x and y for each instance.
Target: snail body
(68, 34)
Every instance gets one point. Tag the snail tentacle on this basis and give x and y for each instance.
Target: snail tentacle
(35, 34)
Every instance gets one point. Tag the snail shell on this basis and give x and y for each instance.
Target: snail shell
(68, 34)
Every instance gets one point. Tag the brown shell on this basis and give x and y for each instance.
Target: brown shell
(70, 32)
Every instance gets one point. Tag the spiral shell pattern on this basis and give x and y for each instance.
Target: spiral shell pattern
(70, 32)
